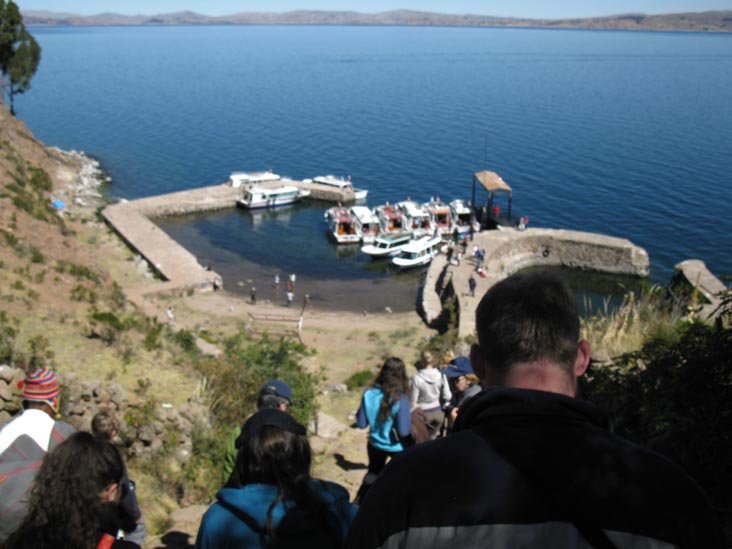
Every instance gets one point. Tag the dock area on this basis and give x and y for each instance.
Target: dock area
(510, 250)
(506, 251)
(179, 269)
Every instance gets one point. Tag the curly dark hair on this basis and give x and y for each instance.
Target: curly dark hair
(65, 508)
(393, 382)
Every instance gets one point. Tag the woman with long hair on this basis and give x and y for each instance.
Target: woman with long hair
(272, 501)
(385, 411)
(74, 498)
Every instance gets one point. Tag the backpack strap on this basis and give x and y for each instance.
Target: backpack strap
(249, 521)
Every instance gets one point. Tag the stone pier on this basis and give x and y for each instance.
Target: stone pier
(132, 220)
(509, 250)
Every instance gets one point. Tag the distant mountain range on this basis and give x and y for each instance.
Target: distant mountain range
(712, 21)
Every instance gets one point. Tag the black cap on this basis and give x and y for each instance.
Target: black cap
(272, 417)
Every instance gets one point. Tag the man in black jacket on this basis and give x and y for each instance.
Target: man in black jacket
(530, 465)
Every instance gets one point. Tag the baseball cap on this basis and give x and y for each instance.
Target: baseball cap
(459, 366)
(278, 388)
(268, 417)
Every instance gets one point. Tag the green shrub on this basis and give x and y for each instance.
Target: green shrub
(152, 338)
(36, 256)
(359, 379)
(8, 336)
(186, 340)
(234, 379)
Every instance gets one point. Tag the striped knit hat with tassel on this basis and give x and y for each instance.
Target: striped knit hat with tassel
(42, 386)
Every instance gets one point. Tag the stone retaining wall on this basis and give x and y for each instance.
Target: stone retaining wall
(509, 251)
(163, 425)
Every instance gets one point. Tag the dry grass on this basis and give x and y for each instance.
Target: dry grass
(626, 328)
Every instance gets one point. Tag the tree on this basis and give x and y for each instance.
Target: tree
(19, 52)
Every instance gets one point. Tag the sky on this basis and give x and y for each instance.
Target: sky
(539, 9)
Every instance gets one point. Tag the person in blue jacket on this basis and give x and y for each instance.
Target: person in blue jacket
(275, 502)
(385, 411)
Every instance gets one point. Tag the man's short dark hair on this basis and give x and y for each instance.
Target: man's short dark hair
(271, 401)
(105, 425)
(527, 318)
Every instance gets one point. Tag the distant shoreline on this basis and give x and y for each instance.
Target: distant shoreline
(709, 21)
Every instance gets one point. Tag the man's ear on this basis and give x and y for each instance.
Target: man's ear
(111, 493)
(583, 358)
(477, 362)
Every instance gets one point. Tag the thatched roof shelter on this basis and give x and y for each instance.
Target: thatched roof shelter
(491, 181)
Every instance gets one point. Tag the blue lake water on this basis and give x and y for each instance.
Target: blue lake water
(625, 133)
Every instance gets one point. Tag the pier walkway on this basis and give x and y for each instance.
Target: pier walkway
(180, 269)
(508, 251)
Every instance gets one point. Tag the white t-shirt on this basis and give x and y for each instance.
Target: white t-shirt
(37, 424)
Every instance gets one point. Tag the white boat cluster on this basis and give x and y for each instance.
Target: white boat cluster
(258, 196)
(408, 233)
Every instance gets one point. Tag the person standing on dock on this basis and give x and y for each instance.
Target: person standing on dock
(277, 280)
(253, 295)
(293, 278)
(290, 297)
(472, 284)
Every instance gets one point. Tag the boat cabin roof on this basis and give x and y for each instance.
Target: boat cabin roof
(333, 181)
(242, 178)
(396, 236)
(389, 211)
(341, 215)
(460, 206)
(363, 214)
(412, 209)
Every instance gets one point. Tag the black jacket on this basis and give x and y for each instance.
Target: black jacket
(533, 469)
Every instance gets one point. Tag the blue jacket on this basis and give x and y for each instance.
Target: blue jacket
(368, 415)
(239, 516)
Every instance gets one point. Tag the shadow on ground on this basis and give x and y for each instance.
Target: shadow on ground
(346, 465)
(175, 540)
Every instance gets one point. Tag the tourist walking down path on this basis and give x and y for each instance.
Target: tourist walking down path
(74, 499)
(24, 441)
(430, 393)
(472, 284)
(385, 411)
(275, 502)
(528, 464)
(290, 298)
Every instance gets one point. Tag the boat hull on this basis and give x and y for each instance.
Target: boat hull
(266, 204)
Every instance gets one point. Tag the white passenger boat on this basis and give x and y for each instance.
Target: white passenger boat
(441, 216)
(417, 218)
(391, 219)
(462, 215)
(341, 184)
(242, 179)
(418, 252)
(341, 225)
(387, 245)
(367, 224)
(262, 197)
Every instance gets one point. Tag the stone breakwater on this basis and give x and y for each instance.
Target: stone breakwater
(147, 427)
(180, 269)
(509, 251)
